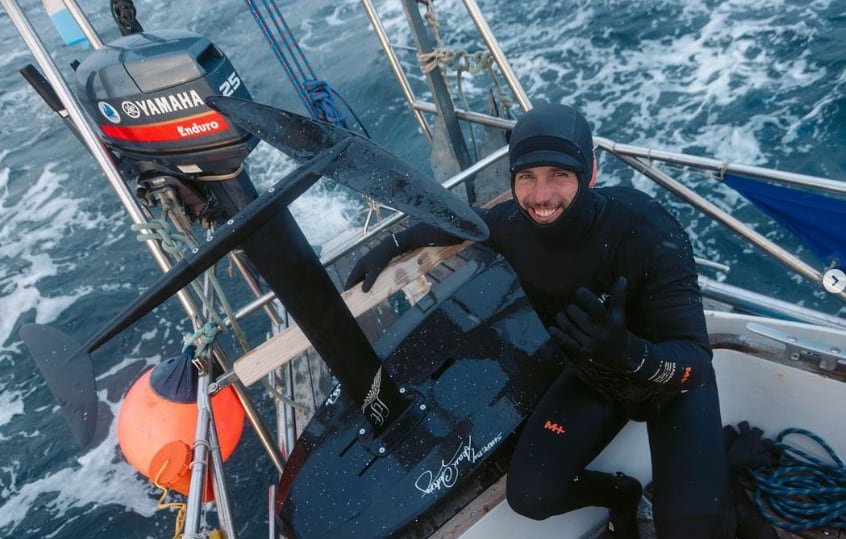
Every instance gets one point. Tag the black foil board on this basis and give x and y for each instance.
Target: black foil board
(473, 369)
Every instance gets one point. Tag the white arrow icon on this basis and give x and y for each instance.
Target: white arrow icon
(834, 281)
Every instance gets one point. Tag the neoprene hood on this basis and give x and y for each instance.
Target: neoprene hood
(552, 134)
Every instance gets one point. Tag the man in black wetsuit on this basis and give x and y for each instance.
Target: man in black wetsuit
(611, 274)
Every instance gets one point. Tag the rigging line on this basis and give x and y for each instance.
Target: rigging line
(180, 507)
(292, 60)
(289, 39)
(175, 243)
(351, 111)
(277, 50)
(320, 104)
(317, 95)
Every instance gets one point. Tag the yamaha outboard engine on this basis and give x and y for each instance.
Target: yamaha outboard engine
(147, 93)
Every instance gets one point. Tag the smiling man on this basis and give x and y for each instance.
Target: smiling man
(611, 275)
(544, 192)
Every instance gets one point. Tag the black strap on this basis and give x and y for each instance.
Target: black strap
(123, 12)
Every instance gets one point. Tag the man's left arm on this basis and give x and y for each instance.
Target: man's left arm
(661, 337)
(669, 343)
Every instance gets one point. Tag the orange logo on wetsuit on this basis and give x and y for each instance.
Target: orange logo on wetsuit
(686, 374)
(554, 427)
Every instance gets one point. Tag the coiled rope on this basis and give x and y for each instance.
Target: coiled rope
(803, 491)
(317, 95)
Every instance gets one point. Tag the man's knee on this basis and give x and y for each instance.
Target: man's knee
(527, 501)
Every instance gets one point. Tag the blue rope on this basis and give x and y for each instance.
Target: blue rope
(277, 50)
(803, 491)
(317, 95)
(289, 40)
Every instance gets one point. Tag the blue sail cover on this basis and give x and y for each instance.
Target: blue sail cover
(818, 220)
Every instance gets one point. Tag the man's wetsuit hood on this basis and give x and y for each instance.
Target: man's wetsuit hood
(556, 135)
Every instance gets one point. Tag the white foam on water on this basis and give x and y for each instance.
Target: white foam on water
(116, 483)
(667, 81)
(11, 404)
(34, 224)
(111, 480)
(323, 212)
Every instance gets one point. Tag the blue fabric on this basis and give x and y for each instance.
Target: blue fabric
(818, 220)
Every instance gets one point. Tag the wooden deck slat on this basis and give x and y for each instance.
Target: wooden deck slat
(283, 347)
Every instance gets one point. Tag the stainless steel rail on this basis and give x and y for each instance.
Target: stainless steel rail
(777, 176)
(84, 24)
(382, 36)
(496, 51)
(711, 210)
(753, 302)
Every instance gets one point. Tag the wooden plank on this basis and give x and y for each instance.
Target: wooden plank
(280, 349)
(472, 512)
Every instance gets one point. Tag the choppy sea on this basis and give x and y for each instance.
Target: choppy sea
(739, 80)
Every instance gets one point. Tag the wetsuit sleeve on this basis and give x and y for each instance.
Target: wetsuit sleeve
(668, 342)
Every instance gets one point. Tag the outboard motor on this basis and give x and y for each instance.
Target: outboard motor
(147, 93)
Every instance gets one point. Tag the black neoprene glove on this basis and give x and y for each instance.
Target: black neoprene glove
(747, 448)
(369, 266)
(587, 329)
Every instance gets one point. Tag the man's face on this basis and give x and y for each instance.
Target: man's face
(545, 192)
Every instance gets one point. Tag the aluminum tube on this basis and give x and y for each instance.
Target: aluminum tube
(787, 178)
(84, 24)
(747, 300)
(199, 458)
(395, 65)
(470, 116)
(254, 287)
(272, 532)
(756, 239)
(221, 487)
(499, 57)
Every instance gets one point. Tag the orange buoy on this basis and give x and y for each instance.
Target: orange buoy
(157, 422)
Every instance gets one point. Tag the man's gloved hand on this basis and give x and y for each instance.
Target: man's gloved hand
(589, 329)
(369, 266)
(747, 448)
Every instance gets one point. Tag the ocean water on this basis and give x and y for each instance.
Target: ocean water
(735, 80)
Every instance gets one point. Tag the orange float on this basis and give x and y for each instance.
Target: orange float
(157, 422)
